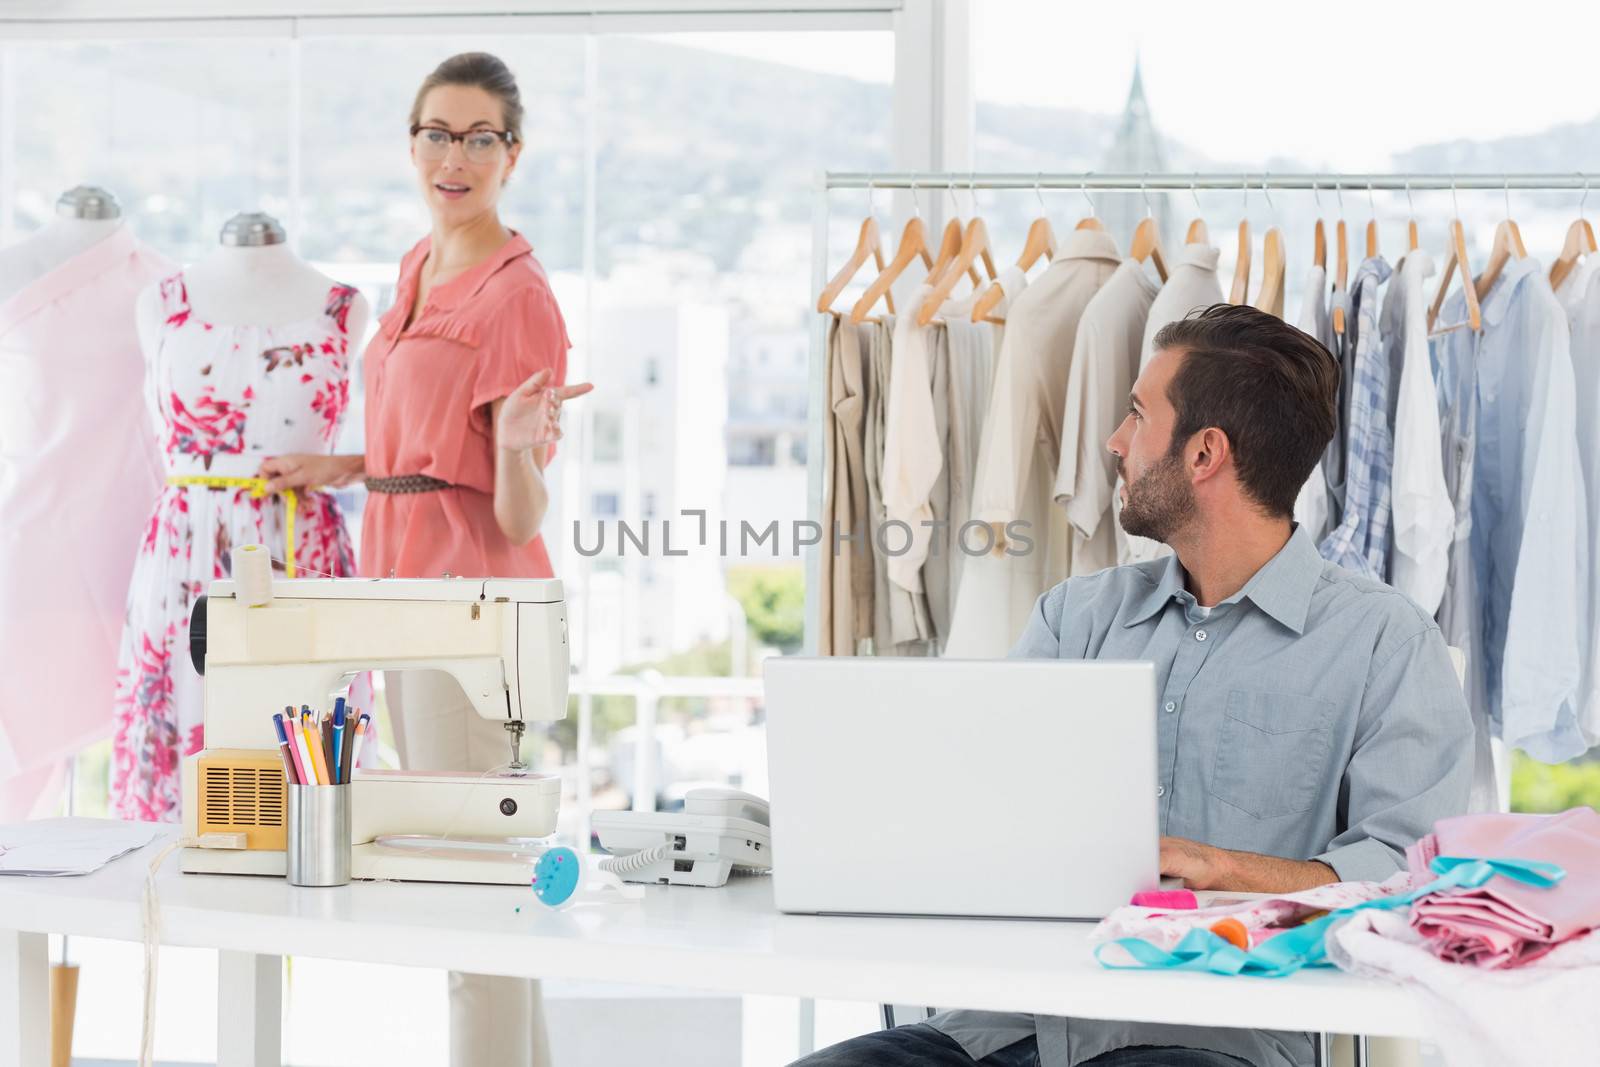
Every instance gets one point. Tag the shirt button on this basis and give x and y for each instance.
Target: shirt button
(1199, 635)
(1170, 706)
(1161, 790)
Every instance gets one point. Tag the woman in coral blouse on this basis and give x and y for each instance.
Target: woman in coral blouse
(465, 381)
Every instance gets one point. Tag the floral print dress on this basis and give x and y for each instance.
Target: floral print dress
(224, 398)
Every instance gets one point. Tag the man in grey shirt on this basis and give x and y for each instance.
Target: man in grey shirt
(1310, 722)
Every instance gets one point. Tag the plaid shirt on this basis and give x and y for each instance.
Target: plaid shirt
(1361, 540)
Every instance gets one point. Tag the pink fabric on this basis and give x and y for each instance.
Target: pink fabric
(1258, 912)
(1505, 923)
(79, 471)
(429, 387)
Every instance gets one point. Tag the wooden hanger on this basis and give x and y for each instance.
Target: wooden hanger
(1319, 235)
(974, 246)
(1273, 265)
(1372, 225)
(1411, 222)
(913, 244)
(1241, 268)
(1147, 245)
(1092, 220)
(1341, 274)
(869, 244)
(1507, 243)
(949, 248)
(1456, 258)
(1041, 242)
(1197, 234)
(1580, 242)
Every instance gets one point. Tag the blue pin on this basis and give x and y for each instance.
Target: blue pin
(556, 876)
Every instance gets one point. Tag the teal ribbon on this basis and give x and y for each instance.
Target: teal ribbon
(1306, 945)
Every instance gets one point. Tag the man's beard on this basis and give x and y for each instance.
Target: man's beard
(1160, 502)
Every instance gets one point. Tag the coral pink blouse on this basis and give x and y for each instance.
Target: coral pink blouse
(429, 387)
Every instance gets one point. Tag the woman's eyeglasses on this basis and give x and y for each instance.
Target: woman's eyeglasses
(479, 146)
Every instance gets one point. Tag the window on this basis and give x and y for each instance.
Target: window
(185, 133)
(607, 437)
(647, 505)
(652, 370)
(605, 505)
(759, 451)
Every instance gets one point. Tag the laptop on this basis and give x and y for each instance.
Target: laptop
(990, 788)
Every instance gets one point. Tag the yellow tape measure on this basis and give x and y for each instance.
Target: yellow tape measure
(258, 488)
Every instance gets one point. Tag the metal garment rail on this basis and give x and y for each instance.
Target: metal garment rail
(825, 183)
(1169, 182)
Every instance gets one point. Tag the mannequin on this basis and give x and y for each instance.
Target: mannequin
(254, 279)
(85, 216)
(78, 473)
(247, 355)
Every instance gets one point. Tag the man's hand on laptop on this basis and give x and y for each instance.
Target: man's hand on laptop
(1206, 867)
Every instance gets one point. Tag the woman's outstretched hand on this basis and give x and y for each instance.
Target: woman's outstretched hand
(531, 415)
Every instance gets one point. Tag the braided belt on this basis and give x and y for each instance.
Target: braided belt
(407, 483)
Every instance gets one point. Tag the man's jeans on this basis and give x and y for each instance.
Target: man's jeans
(920, 1045)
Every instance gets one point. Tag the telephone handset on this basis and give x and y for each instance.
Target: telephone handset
(718, 832)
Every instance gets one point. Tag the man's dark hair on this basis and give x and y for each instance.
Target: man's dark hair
(1273, 389)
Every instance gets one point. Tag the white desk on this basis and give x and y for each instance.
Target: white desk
(724, 940)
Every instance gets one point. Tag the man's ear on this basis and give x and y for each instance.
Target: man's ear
(1209, 452)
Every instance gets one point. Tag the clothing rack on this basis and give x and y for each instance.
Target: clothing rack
(1241, 182)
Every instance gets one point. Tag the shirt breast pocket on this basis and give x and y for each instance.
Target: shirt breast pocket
(1272, 752)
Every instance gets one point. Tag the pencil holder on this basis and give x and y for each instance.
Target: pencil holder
(318, 841)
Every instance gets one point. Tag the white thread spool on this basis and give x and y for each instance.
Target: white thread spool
(252, 575)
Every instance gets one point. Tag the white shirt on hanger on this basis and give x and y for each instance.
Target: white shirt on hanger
(1424, 518)
(1192, 285)
(1580, 296)
(1105, 361)
(911, 456)
(1021, 445)
(1311, 506)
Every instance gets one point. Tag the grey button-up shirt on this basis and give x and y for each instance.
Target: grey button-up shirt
(1314, 714)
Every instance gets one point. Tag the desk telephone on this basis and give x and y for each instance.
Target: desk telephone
(718, 832)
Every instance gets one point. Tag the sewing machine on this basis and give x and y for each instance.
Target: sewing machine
(268, 643)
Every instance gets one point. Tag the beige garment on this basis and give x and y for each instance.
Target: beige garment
(827, 639)
(972, 348)
(1192, 285)
(936, 565)
(911, 458)
(846, 544)
(494, 1022)
(1021, 446)
(1105, 361)
(900, 622)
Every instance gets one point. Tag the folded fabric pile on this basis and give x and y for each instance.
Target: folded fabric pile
(1505, 923)
(1507, 973)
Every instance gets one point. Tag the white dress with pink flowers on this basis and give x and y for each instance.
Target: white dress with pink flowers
(224, 398)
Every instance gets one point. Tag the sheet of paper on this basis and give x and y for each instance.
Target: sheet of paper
(54, 847)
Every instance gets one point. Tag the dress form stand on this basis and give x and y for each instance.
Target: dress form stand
(253, 279)
(85, 216)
